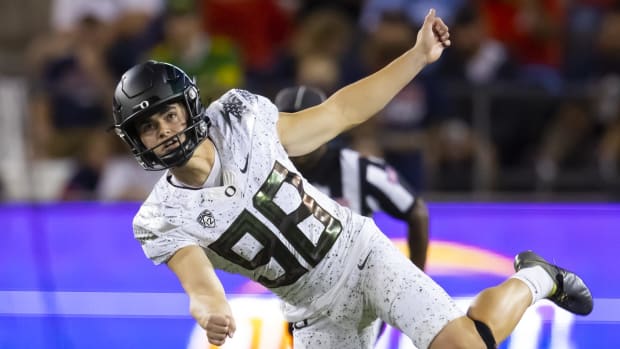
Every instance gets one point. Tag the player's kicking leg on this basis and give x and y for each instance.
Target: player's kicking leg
(496, 311)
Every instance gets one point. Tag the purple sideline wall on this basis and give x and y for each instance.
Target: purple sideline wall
(72, 276)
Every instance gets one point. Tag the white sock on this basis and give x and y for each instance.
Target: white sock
(537, 280)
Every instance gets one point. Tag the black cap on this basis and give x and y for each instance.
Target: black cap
(293, 99)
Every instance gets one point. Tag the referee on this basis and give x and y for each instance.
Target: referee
(364, 184)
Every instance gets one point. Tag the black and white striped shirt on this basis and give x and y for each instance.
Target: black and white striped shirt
(364, 184)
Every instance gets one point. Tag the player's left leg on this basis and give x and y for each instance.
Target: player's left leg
(409, 300)
(496, 311)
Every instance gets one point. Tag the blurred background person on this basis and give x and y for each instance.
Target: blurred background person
(71, 71)
(70, 86)
(320, 52)
(260, 28)
(90, 163)
(476, 62)
(532, 30)
(413, 11)
(214, 60)
(497, 115)
(364, 184)
(582, 138)
(121, 180)
(71, 83)
(400, 132)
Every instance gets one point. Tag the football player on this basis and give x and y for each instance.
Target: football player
(231, 199)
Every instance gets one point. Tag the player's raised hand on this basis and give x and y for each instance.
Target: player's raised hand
(433, 37)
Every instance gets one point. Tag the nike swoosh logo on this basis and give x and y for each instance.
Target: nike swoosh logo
(244, 169)
(363, 264)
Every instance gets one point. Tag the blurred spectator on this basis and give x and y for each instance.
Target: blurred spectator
(589, 125)
(212, 59)
(506, 57)
(66, 14)
(475, 64)
(414, 11)
(16, 33)
(71, 90)
(123, 180)
(259, 27)
(532, 30)
(20, 22)
(399, 132)
(130, 23)
(350, 8)
(92, 158)
(319, 52)
(475, 57)
(325, 31)
(609, 157)
(136, 31)
(320, 70)
(583, 22)
(72, 73)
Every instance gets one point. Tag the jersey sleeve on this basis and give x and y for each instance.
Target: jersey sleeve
(242, 107)
(158, 243)
(236, 118)
(262, 107)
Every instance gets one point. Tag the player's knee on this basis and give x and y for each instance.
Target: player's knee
(460, 333)
(477, 311)
(485, 333)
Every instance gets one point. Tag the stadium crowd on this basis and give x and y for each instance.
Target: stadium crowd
(527, 99)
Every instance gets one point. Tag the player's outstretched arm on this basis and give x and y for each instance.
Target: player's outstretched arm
(357, 102)
(208, 304)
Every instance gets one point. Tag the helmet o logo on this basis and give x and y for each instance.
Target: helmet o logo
(144, 104)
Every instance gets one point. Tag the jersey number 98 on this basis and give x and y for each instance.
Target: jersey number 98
(287, 224)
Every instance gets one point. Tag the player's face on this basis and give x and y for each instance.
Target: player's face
(163, 130)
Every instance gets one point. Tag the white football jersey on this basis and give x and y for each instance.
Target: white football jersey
(265, 222)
